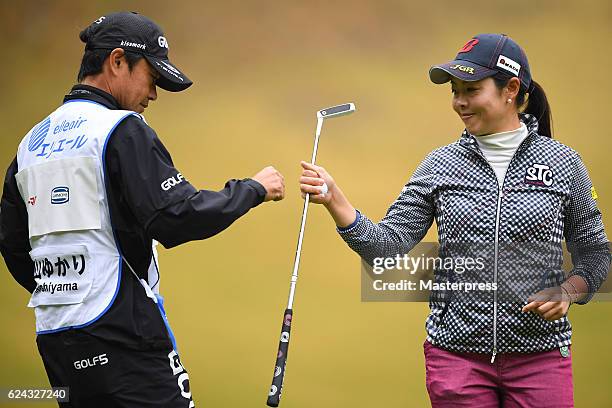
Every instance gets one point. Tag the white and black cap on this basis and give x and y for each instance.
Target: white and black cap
(136, 33)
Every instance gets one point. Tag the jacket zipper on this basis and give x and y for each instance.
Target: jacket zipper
(500, 195)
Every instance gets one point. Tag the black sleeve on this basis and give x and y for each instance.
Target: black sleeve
(169, 208)
(14, 238)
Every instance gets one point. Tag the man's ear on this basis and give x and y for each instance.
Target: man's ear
(116, 61)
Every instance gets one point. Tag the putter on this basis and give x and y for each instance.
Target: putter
(283, 346)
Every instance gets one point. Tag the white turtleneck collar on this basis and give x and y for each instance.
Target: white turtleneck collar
(498, 148)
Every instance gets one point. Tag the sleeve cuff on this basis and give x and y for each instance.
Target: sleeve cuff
(352, 225)
(261, 190)
(591, 291)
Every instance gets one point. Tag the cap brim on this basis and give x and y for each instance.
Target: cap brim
(464, 70)
(170, 77)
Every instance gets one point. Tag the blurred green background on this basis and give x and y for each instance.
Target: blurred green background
(261, 71)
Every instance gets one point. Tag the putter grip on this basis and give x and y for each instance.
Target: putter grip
(281, 360)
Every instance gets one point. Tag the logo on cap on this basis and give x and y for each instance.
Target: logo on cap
(463, 68)
(469, 45)
(170, 67)
(508, 64)
(133, 44)
(161, 40)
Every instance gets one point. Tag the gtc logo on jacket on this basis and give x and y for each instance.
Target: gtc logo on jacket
(539, 175)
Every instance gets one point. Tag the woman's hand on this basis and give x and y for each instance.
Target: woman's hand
(312, 182)
(550, 303)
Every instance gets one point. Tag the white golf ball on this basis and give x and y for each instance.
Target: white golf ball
(324, 189)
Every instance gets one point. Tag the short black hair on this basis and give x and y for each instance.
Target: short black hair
(93, 60)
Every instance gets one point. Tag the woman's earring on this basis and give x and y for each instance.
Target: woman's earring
(509, 100)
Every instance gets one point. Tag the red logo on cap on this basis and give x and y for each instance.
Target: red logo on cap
(469, 45)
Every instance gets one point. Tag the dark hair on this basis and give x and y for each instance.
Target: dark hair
(93, 60)
(537, 103)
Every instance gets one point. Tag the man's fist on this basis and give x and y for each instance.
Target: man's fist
(273, 182)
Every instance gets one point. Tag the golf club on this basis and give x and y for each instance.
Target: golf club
(283, 346)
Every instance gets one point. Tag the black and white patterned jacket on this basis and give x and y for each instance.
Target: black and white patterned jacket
(546, 197)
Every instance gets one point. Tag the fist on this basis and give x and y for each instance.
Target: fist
(273, 182)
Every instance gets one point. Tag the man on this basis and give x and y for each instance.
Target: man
(90, 189)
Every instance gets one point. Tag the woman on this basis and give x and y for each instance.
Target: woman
(508, 190)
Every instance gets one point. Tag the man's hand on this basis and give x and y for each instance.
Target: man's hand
(273, 182)
(550, 303)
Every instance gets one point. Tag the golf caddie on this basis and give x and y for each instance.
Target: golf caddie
(91, 190)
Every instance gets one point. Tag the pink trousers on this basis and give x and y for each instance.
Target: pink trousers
(514, 380)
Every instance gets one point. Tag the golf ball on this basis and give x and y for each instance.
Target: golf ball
(324, 189)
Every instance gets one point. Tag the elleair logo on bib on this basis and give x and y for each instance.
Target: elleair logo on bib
(539, 175)
(37, 137)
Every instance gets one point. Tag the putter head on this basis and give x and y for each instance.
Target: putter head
(335, 111)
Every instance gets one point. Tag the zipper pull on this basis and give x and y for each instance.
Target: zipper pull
(494, 353)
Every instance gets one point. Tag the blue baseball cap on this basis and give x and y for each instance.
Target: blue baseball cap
(483, 56)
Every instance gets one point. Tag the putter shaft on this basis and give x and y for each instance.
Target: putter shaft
(298, 251)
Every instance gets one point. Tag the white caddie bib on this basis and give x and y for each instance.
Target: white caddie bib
(77, 266)
(55, 208)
